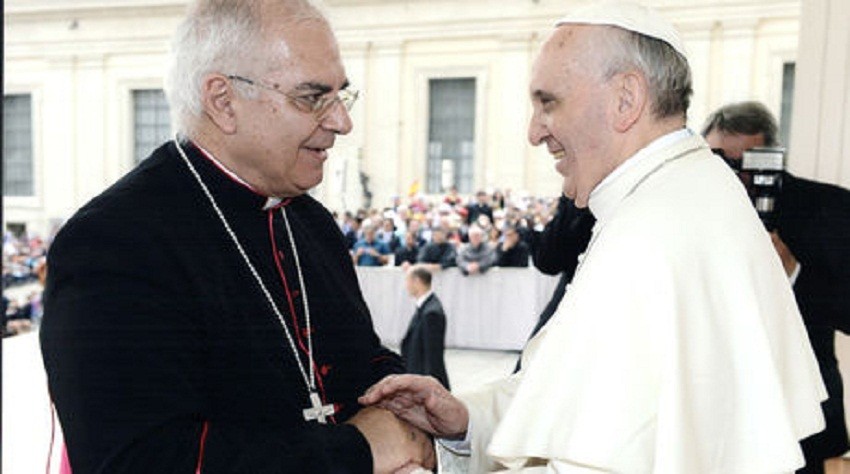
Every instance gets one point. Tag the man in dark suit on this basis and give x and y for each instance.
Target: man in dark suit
(424, 343)
(512, 251)
(405, 255)
(812, 238)
(480, 207)
(439, 253)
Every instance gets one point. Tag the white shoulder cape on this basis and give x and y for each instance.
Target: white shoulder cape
(677, 349)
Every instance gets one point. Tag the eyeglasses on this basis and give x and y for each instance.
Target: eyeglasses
(317, 104)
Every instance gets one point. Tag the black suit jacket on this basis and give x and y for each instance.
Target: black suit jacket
(424, 343)
(556, 250)
(814, 222)
(516, 256)
(474, 210)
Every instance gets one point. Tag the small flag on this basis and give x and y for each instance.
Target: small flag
(413, 190)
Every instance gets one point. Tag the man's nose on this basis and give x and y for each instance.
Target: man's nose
(337, 119)
(536, 131)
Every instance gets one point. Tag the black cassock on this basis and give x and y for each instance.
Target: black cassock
(162, 353)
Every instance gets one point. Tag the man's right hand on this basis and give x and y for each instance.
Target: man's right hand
(396, 445)
(421, 401)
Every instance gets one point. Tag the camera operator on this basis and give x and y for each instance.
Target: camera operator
(812, 238)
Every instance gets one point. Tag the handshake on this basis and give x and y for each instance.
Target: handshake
(401, 412)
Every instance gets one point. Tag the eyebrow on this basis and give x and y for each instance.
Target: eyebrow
(540, 94)
(318, 87)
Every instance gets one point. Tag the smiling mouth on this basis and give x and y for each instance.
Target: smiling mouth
(320, 154)
(558, 155)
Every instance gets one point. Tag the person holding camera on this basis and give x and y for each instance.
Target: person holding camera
(812, 238)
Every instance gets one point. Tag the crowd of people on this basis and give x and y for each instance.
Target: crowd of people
(24, 262)
(434, 230)
(22, 255)
(472, 233)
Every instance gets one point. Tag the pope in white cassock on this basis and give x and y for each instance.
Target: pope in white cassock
(678, 347)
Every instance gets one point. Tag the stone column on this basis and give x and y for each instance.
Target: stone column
(820, 131)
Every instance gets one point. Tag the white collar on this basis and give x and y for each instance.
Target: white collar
(608, 193)
(642, 154)
(421, 300)
(270, 200)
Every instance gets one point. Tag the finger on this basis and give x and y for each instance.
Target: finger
(375, 392)
(396, 407)
(392, 385)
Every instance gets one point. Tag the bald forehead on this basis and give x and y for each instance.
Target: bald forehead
(563, 37)
(308, 45)
(571, 45)
(570, 49)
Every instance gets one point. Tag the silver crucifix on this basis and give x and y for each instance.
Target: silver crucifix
(318, 411)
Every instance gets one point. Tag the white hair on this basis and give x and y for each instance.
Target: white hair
(666, 69)
(218, 36)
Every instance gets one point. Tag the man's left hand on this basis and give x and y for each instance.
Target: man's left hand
(397, 447)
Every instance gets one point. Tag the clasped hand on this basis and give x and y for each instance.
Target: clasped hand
(397, 447)
(421, 401)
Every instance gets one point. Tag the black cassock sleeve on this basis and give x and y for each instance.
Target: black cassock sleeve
(565, 237)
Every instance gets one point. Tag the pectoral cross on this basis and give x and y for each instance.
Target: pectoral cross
(318, 411)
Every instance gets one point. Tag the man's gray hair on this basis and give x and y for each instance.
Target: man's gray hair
(665, 69)
(743, 118)
(218, 36)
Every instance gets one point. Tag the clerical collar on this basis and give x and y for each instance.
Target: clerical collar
(271, 201)
(622, 181)
(421, 300)
(642, 154)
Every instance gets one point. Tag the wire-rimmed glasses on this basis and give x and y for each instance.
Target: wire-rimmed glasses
(317, 104)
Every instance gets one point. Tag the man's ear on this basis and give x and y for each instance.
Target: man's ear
(217, 96)
(631, 99)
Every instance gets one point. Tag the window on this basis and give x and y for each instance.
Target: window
(451, 131)
(151, 122)
(18, 171)
(787, 104)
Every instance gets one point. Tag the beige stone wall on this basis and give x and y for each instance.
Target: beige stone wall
(820, 134)
(80, 60)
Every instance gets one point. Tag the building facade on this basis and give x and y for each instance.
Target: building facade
(445, 92)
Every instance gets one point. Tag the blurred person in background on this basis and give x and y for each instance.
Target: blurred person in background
(369, 251)
(512, 251)
(439, 253)
(476, 257)
(423, 344)
(405, 255)
(812, 239)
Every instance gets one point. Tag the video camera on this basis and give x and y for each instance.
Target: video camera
(760, 169)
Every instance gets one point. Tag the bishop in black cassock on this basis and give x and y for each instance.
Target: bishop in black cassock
(162, 353)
